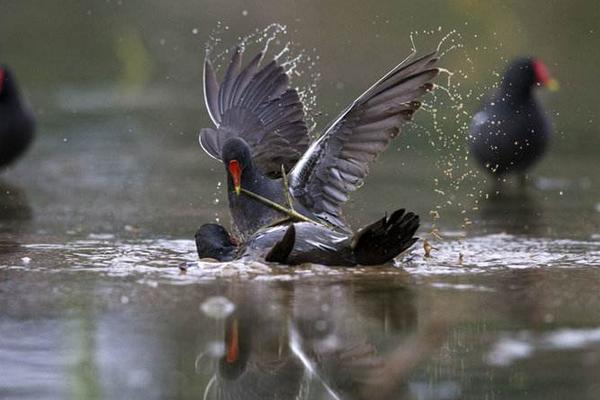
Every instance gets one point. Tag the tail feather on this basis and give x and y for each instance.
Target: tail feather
(282, 249)
(386, 238)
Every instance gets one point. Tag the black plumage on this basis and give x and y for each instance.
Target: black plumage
(16, 120)
(258, 106)
(256, 364)
(512, 131)
(305, 242)
(213, 241)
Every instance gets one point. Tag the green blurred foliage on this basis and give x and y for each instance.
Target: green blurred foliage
(135, 43)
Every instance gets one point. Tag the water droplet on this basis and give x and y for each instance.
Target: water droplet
(217, 307)
(215, 349)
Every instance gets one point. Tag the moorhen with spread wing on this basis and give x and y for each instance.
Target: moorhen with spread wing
(263, 141)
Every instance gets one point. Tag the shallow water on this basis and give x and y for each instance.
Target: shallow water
(101, 293)
(118, 318)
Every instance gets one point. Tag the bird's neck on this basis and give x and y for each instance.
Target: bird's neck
(516, 92)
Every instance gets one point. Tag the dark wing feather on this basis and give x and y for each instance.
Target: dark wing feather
(257, 105)
(338, 162)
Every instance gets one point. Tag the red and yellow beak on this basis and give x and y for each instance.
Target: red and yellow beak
(542, 76)
(236, 174)
(552, 84)
(233, 343)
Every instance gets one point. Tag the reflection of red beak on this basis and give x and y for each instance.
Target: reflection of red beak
(236, 175)
(233, 343)
(542, 76)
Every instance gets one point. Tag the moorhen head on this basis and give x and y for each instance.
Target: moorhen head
(239, 165)
(524, 74)
(248, 214)
(511, 131)
(213, 241)
(16, 120)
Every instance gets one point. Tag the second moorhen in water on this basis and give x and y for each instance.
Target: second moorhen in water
(306, 242)
(260, 132)
(512, 131)
(16, 120)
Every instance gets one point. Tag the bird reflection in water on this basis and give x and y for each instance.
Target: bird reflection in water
(323, 342)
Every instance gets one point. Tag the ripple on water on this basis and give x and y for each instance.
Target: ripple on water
(160, 260)
(511, 348)
(503, 251)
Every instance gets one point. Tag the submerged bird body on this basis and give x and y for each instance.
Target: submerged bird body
(16, 120)
(306, 242)
(312, 243)
(512, 132)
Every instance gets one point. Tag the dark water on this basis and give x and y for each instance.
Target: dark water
(98, 216)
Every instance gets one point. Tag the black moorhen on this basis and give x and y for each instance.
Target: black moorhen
(213, 241)
(16, 120)
(306, 242)
(260, 132)
(512, 131)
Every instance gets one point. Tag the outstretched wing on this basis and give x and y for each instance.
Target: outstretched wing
(338, 162)
(257, 104)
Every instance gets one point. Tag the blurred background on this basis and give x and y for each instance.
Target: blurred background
(116, 87)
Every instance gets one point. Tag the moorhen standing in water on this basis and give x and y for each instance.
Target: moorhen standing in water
(16, 120)
(512, 131)
(260, 132)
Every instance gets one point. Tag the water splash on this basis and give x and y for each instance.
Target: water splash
(155, 262)
(457, 186)
(274, 42)
(503, 252)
